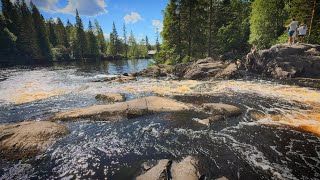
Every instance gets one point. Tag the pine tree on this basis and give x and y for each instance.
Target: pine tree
(148, 46)
(27, 38)
(80, 44)
(7, 38)
(114, 41)
(125, 41)
(42, 36)
(157, 42)
(62, 34)
(100, 37)
(53, 37)
(92, 42)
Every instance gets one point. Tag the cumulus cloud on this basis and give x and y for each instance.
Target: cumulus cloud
(132, 18)
(157, 25)
(85, 7)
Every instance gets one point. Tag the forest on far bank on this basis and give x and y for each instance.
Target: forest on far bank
(25, 35)
(196, 29)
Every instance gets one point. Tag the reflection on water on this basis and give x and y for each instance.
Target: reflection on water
(277, 136)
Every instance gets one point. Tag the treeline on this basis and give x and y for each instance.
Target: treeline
(26, 36)
(196, 29)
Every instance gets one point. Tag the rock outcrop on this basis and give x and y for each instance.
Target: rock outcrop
(112, 97)
(222, 109)
(160, 70)
(285, 61)
(129, 109)
(187, 169)
(27, 139)
(209, 68)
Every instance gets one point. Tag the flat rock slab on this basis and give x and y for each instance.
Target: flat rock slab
(112, 97)
(134, 108)
(222, 109)
(157, 172)
(187, 169)
(27, 139)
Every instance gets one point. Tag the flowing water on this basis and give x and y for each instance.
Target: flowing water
(277, 136)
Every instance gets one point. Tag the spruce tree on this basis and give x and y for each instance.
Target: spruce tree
(53, 37)
(62, 33)
(27, 37)
(148, 46)
(42, 36)
(114, 41)
(100, 37)
(125, 41)
(92, 42)
(80, 44)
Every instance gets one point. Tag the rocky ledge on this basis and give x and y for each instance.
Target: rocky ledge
(285, 61)
(27, 139)
(129, 109)
(187, 169)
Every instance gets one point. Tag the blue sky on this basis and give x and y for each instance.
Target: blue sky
(143, 17)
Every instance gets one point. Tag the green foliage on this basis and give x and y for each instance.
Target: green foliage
(267, 22)
(80, 42)
(60, 53)
(93, 48)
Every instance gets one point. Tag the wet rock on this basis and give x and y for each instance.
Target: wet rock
(285, 61)
(231, 71)
(160, 70)
(210, 120)
(120, 79)
(158, 172)
(125, 74)
(27, 139)
(222, 178)
(113, 97)
(209, 68)
(187, 169)
(203, 69)
(222, 109)
(130, 109)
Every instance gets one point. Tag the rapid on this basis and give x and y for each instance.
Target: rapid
(277, 136)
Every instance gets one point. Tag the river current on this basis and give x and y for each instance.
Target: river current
(277, 136)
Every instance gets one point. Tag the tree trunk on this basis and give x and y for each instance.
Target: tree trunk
(190, 35)
(312, 17)
(210, 30)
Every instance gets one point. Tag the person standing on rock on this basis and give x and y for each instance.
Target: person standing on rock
(293, 26)
(302, 32)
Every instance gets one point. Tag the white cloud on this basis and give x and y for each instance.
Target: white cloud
(85, 7)
(157, 25)
(132, 18)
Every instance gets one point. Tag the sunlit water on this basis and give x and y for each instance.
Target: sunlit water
(277, 136)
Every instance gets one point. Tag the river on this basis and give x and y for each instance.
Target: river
(277, 136)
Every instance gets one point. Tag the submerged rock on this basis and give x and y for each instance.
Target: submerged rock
(113, 97)
(285, 61)
(129, 109)
(27, 139)
(222, 109)
(187, 169)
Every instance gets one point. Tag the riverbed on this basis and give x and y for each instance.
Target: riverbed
(276, 137)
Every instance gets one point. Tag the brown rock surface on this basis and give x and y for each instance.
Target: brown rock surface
(222, 109)
(137, 107)
(27, 139)
(113, 97)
